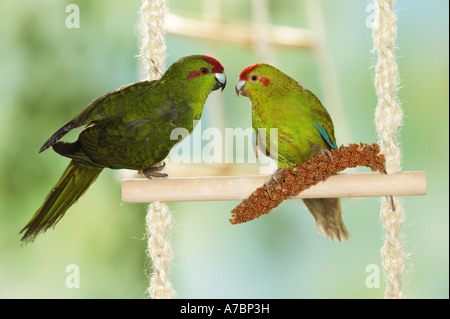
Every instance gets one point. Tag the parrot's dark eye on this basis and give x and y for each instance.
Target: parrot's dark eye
(254, 78)
(204, 70)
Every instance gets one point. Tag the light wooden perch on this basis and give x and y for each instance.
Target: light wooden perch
(240, 187)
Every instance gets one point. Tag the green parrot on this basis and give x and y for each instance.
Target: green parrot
(127, 128)
(304, 130)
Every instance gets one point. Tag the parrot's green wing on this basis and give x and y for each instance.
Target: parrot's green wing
(133, 145)
(113, 104)
(321, 119)
(301, 122)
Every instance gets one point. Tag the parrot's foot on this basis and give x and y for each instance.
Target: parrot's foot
(154, 171)
(273, 177)
(322, 151)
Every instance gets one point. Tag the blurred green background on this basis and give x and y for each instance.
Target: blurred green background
(49, 72)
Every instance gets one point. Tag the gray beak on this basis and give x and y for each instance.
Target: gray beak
(221, 81)
(240, 88)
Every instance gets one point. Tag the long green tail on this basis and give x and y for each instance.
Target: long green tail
(73, 183)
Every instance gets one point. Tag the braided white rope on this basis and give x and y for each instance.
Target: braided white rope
(388, 117)
(158, 219)
(153, 47)
(158, 222)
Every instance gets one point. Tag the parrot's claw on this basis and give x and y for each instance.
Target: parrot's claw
(322, 151)
(273, 177)
(154, 171)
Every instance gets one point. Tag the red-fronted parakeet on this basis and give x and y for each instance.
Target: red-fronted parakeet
(127, 128)
(304, 129)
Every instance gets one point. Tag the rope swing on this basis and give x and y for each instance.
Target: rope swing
(386, 154)
(158, 217)
(388, 117)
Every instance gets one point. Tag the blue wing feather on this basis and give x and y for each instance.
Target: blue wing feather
(325, 135)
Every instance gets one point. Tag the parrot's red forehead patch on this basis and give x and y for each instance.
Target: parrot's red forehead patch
(247, 70)
(245, 73)
(217, 67)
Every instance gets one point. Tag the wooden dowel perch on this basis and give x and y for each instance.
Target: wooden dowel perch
(305, 180)
(224, 188)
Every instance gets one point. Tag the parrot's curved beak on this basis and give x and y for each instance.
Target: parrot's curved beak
(240, 87)
(221, 81)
